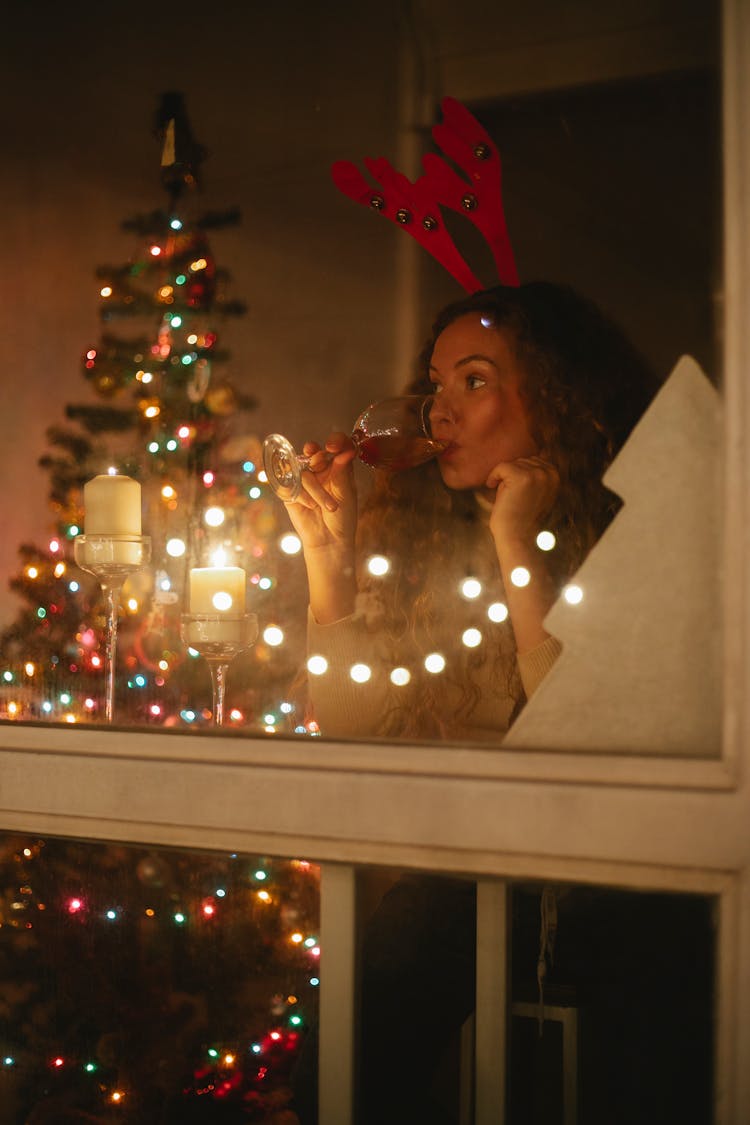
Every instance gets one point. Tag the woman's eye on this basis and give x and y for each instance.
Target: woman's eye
(436, 388)
(475, 381)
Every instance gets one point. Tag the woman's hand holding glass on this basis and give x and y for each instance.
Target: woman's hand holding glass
(324, 515)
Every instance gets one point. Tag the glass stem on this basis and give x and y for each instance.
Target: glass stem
(218, 682)
(112, 598)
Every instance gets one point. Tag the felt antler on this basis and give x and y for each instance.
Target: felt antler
(470, 146)
(416, 206)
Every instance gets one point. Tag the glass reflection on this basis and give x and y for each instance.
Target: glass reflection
(175, 986)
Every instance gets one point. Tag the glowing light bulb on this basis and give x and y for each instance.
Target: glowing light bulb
(176, 548)
(296, 938)
(317, 665)
(400, 677)
(105, 291)
(254, 493)
(378, 565)
(168, 492)
(32, 572)
(471, 588)
(273, 635)
(434, 662)
(471, 637)
(263, 896)
(497, 612)
(59, 570)
(29, 668)
(132, 604)
(152, 411)
(573, 594)
(360, 673)
(155, 251)
(222, 600)
(183, 432)
(545, 541)
(214, 517)
(290, 544)
(54, 545)
(520, 576)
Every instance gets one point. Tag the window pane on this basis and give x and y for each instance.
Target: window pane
(215, 332)
(172, 986)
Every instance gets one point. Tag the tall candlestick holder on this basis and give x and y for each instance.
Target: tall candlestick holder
(111, 559)
(219, 638)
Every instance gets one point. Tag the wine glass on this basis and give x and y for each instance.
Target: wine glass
(393, 434)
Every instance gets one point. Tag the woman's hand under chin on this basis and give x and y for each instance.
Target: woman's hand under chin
(525, 491)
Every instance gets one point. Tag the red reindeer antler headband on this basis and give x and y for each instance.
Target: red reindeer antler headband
(416, 206)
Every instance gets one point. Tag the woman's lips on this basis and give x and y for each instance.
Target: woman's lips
(450, 449)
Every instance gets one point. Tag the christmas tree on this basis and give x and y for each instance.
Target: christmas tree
(164, 415)
(151, 986)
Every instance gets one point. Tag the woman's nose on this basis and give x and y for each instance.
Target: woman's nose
(442, 410)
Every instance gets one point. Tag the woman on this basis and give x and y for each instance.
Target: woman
(535, 391)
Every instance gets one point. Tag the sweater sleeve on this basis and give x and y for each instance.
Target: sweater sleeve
(535, 665)
(344, 708)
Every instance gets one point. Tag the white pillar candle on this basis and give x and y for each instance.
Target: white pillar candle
(112, 505)
(112, 508)
(217, 589)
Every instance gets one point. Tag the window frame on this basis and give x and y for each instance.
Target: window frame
(630, 821)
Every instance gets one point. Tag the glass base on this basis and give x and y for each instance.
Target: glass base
(282, 467)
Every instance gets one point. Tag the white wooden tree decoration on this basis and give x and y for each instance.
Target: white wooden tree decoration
(640, 669)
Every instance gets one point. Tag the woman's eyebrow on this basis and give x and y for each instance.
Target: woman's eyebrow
(471, 359)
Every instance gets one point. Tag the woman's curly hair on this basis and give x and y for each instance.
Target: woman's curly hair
(584, 386)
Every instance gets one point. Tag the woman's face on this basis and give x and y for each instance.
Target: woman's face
(478, 407)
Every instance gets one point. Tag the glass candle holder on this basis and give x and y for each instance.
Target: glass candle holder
(111, 559)
(219, 638)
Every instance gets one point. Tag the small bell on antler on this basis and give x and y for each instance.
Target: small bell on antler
(181, 155)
